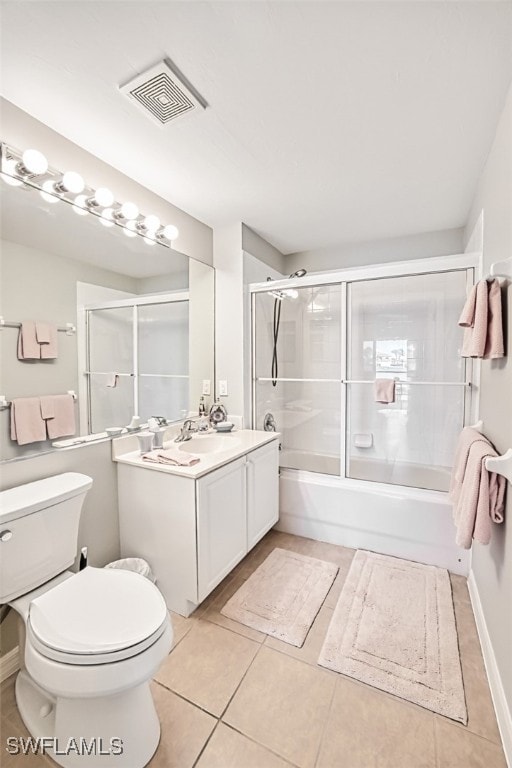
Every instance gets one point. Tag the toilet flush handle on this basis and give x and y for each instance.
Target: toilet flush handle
(5, 535)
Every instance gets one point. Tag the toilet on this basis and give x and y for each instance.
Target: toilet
(90, 642)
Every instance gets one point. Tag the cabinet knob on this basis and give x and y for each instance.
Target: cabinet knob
(5, 535)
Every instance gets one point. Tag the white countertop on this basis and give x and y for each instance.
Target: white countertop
(125, 450)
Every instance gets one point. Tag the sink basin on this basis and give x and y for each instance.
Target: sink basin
(210, 444)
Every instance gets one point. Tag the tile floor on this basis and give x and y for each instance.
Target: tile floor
(231, 697)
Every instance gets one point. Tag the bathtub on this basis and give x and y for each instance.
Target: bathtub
(412, 523)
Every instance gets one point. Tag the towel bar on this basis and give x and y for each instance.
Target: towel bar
(69, 329)
(502, 465)
(4, 403)
(502, 268)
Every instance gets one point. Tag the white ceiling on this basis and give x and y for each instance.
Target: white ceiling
(328, 122)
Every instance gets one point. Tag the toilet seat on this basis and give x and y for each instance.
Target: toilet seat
(97, 616)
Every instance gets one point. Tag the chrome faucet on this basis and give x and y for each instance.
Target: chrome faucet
(187, 430)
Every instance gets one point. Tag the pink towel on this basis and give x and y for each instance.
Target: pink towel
(481, 317)
(478, 496)
(27, 424)
(384, 390)
(28, 346)
(47, 407)
(63, 421)
(171, 456)
(46, 335)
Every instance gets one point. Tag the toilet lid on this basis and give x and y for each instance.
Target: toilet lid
(97, 611)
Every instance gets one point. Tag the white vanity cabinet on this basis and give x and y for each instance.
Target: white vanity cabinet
(194, 528)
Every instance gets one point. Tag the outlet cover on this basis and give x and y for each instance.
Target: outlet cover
(223, 388)
(206, 387)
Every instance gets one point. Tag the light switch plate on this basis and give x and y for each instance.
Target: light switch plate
(223, 388)
(206, 386)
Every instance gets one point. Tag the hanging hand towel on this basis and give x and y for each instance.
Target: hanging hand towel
(63, 422)
(28, 346)
(384, 390)
(47, 407)
(481, 318)
(27, 424)
(46, 335)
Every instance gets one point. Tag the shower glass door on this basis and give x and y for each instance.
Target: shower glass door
(405, 328)
(303, 392)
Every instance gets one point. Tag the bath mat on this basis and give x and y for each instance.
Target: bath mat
(394, 628)
(283, 596)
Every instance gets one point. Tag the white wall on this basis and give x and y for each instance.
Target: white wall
(492, 565)
(419, 246)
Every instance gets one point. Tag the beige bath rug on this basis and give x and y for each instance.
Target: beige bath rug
(283, 596)
(394, 628)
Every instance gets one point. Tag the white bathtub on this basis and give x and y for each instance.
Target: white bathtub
(412, 523)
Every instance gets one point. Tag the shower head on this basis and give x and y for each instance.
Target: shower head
(299, 273)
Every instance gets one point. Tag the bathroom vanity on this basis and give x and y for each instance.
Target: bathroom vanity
(194, 524)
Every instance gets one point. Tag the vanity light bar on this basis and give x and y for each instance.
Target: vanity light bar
(30, 168)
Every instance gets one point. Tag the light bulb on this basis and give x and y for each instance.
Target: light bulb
(34, 162)
(10, 173)
(80, 205)
(107, 217)
(170, 232)
(102, 197)
(71, 182)
(129, 211)
(48, 192)
(151, 223)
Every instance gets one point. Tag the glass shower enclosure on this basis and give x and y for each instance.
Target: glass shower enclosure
(314, 378)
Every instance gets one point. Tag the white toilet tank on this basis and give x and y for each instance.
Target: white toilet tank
(39, 531)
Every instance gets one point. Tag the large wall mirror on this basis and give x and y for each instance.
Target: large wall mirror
(143, 316)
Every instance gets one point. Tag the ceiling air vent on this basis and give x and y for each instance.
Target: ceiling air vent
(162, 94)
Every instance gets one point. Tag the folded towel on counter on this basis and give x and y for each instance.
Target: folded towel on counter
(47, 407)
(384, 390)
(481, 317)
(28, 346)
(478, 496)
(62, 423)
(27, 424)
(171, 456)
(46, 335)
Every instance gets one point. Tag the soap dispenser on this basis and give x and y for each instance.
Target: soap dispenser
(218, 413)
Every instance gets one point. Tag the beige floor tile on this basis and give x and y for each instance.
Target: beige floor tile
(13, 726)
(310, 651)
(481, 715)
(185, 730)
(207, 665)
(180, 626)
(7, 696)
(229, 749)
(459, 588)
(282, 704)
(367, 729)
(459, 748)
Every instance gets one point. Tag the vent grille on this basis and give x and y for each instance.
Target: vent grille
(161, 94)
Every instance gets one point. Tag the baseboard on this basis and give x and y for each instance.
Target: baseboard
(503, 714)
(9, 664)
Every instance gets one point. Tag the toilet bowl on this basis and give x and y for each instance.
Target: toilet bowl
(91, 641)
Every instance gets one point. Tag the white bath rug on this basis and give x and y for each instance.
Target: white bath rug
(394, 628)
(283, 595)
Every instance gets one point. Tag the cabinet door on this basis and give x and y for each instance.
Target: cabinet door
(262, 491)
(221, 524)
